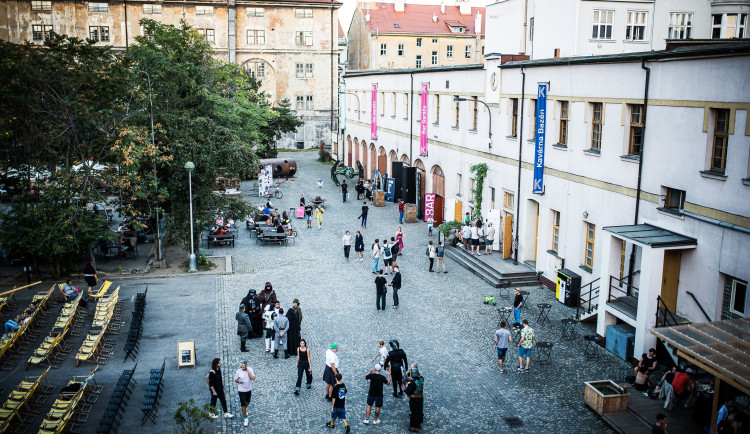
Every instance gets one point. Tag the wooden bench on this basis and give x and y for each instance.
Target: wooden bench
(271, 237)
(220, 240)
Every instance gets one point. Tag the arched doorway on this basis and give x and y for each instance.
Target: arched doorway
(349, 151)
(438, 180)
(356, 152)
(392, 158)
(263, 71)
(405, 159)
(382, 161)
(373, 161)
(531, 235)
(419, 164)
(364, 158)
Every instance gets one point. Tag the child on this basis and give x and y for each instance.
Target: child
(382, 353)
(430, 222)
(338, 410)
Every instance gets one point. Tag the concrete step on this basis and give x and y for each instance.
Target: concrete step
(489, 274)
(490, 278)
(467, 258)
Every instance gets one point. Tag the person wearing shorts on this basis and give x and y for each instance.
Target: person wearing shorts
(244, 378)
(375, 394)
(474, 238)
(331, 369)
(502, 341)
(308, 215)
(489, 239)
(524, 345)
(338, 405)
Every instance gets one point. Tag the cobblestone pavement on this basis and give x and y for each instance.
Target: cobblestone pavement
(441, 323)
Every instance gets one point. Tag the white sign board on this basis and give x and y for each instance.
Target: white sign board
(265, 180)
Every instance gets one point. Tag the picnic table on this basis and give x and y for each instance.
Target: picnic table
(271, 236)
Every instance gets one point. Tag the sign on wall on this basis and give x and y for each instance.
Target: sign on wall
(541, 123)
(429, 206)
(423, 121)
(374, 113)
(265, 179)
(390, 189)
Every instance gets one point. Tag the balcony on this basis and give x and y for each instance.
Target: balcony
(623, 297)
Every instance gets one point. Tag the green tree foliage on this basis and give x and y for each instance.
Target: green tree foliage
(481, 171)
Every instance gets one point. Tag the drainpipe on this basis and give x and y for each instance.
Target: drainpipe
(525, 26)
(411, 116)
(333, 71)
(125, 6)
(520, 147)
(631, 264)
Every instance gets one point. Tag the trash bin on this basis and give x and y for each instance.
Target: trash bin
(568, 288)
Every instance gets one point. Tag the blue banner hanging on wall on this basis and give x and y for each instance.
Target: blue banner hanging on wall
(541, 124)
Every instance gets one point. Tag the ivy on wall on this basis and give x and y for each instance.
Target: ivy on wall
(481, 171)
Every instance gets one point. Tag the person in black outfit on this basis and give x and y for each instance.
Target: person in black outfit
(363, 216)
(244, 327)
(360, 189)
(380, 287)
(344, 190)
(252, 308)
(660, 427)
(375, 393)
(396, 285)
(293, 333)
(216, 386)
(395, 363)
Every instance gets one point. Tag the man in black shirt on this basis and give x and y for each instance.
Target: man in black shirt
(380, 287)
(660, 427)
(396, 285)
(375, 394)
(338, 404)
(344, 190)
(517, 306)
(363, 216)
(396, 361)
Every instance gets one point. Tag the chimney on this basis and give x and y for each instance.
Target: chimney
(398, 6)
(434, 18)
(478, 24)
(442, 8)
(464, 8)
(367, 17)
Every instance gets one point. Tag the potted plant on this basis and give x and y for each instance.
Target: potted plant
(605, 396)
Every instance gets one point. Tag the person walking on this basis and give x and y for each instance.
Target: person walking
(338, 404)
(381, 290)
(396, 285)
(395, 363)
(244, 327)
(308, 214)
(331, 369)
(387, 257)
(319, 216)
(525, 345)
(489, 239)
(431, 254)
(401, 212)
(346, 242)
(304, 364)
(502, 342)
(375, 255)
(440, 255)
(344, 189)
(244, 378)
(517, 306)
(280, 328)
(363, 216)
(216, 386)
(382, 353)
(293, 334)
(415, 392)
(400, 240)
(359, 246)
(375, 393)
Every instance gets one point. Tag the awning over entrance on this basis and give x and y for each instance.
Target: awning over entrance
(721, 348)
(652, 236)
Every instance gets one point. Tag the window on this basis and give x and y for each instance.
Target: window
(255, 12)
(729, 26)
(98, 7)
(555, 231)
(99, 33)
(738, 297)
(475, 112)
(308, 102)
(596, 127)
(716, 26)
(152, 9)
(456, 111)
(434, 57)
(381, 103)
(419, 42)
(588, 260)
(674, 199)
(41, 5)
(492, 197)
(256, 37)
(204, 10)
(308, 70)
(406, 106)
(636, 28)
(636, 129)
(400, 49)
(41, 32)
(508, 200)
(434, 40)
(436, 104)
(419, 61)
(303, 38)
(514, 117)
(532, 127)
(300, 102)
(467, 52)
(563, 139)
(256, 69)
(393, 104)
(383, 49)
(602, 24)
(460, 180)
(300, 68)
(303, 13)
(721, 135)
(680, 25)
(209, 34)
(449, 51)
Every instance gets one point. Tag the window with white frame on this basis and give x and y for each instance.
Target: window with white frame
(308, 70)
(434, 40)
(436, 109)
(303, 13)
(255, 12)
(738, 298)
(41, 32)
(256, 37)
(98, 7)
(400, 49)
(152, 9)
(419, 42)
(308, 102)
(467, 52)
(555, 231)
(383, 49)
(303, 38)
(45, 5)
(456, 111)
(300, 102)
(204, 10)
(636, 26)
(602, 24)
(300, 68)
(434, 57)
(449, 51)
(728, 26)
(256, 69)
(419, 61)
(209, 34)
(680, 25)
(99, 33)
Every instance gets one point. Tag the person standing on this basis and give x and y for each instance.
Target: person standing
(304, 364)
(525, 345)
(319, 216)
(380, 288)
(363, 216)
(280, 328)
(252, 309)
(467, 219)
(267, 296)
(269, 316)
(517, 306)
(375, 393)
(344, 189)
(396, 285)
(400, 240)
(502, 342)
(387, 257)
(293, 335)
(430, 223)
(216, 386)
(338, 404)
(489, 239)
(466, 236)
(395, 363)
(331, 369)
(244, 327)
(440, 255)
(89, 274)
(474, 238)
(244, 378)
(431, 255)
(394, 249)
(415, 392)
(375, 255)
(401, 212)
(381, 355)
(660, 427)
(359, 246)
(308, 215)
(346, 242)
(302, 200)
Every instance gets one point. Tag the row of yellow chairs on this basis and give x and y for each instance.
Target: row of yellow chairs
(65, 405)
(105, 308)
(92, 346)
(9, 340)
(57, 335)
(19, 398)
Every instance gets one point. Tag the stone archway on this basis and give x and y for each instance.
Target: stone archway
(405, 159)
(419, 164)
(438, 180)
(349, 151)
(392, 158)
(373, 161)
(264, 72)
(382, 161)
(356, 152)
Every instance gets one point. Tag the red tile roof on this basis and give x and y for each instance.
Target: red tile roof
(418, 19)
(341, 31)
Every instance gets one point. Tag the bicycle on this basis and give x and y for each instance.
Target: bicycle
(273, 192)
(282, 182)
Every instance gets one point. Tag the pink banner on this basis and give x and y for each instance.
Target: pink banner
(374, 113)
(429, 206)
(423, 122)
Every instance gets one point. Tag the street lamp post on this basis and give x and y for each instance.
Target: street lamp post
(489, 114)
(189, 166)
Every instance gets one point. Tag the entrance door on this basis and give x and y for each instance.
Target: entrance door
(458, 211)
(507, 235)
(671, 278)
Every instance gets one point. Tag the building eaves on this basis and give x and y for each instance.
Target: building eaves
(365, 72)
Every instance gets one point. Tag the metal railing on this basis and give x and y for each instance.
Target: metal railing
(627, 296)
(588, 292)
(699, 305)
(664, 317)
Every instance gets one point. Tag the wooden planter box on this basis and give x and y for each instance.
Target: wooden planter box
(605, 403)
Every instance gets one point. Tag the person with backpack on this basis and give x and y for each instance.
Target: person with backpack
(215, 384)
(440, 255)
(387, 257)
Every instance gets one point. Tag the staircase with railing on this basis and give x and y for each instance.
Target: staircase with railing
(588, 301)
(623, 297)
(664, 316)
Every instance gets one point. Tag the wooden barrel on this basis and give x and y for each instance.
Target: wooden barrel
(411, 213)
(378, 197)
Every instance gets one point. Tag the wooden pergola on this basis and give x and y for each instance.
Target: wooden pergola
(721, 348)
